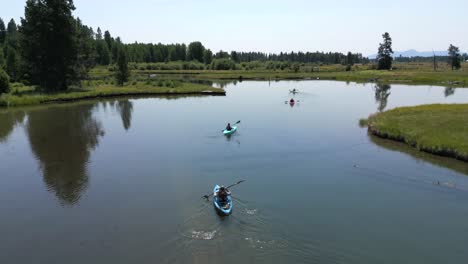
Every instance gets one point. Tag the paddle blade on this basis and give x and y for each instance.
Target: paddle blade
(239, 182)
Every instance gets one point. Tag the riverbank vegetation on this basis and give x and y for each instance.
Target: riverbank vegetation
(403, 73)
(31, 95)
(52, 52)
(440, 129)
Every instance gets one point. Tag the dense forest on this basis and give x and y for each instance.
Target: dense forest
(102, 49)
(53, 49)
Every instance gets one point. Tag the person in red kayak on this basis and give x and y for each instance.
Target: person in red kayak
(228, 127)
(291, 101)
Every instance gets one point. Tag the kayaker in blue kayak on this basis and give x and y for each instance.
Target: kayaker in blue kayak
(223, 194)
(228, 127)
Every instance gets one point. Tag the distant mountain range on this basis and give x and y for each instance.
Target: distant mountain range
(415, 53)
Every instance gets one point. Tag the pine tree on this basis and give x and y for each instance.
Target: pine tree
(123, 73)
(11, 63)
(454, 57)
(350, 59)
(108, 39)
(2, 32)
(99, 34)
(208, 57)
(115, 49)
(181, 52)
(86, 49)
(48, 43)
(384, 56)
(234, 57)
(2, 59)
(105, 56)
(11, 36)
(172, 56)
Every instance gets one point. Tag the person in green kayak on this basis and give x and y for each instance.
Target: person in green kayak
(223, 193)
(228, 127)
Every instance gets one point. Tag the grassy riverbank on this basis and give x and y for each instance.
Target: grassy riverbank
(455, 79)
(403, 73)
(27, 95)
(438, 129)
(148, 80)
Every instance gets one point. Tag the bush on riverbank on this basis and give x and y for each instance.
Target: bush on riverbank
(440, 129)
(223, 64)
(4, 82)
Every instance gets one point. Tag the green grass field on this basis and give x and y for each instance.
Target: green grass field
(27, 95)
(403, 73)
(440, 129)
(101, 81)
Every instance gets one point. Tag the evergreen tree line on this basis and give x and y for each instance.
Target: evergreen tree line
(302, 57)
(195, 51)
(420, 59)
(52, 49)
(9, 57)
(463, 57)
(28, 54)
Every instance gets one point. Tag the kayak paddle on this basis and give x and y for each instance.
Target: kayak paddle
(232, 185)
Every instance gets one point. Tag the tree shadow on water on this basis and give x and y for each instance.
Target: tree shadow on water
(62, 139)
(417, 155)
(125, 108)
(382, 93)
(449, 91)
(8, 121)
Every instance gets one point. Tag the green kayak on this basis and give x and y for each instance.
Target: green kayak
(230, 132)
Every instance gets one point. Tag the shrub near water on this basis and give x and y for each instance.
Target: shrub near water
(4, 82)
(223, 64)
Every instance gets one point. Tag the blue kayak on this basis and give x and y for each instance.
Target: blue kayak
(230, 132)
(222, 207)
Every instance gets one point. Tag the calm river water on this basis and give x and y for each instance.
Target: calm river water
(120, 181)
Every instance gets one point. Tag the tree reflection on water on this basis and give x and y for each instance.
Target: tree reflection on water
(382, 92)
(62, 139)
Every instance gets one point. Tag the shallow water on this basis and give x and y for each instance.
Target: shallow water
(120, 181)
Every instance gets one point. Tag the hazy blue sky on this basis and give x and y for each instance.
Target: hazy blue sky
(273, 26)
